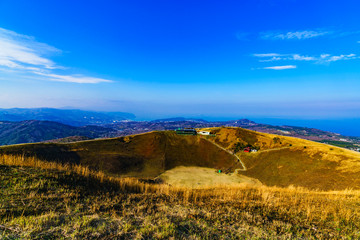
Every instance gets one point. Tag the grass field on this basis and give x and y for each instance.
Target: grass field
(292, 189)
(195, 177)
(42, 200)
(284, 161)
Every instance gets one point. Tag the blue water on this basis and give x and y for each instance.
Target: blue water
(347, 127)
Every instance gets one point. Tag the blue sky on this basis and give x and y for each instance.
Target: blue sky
(216, 59)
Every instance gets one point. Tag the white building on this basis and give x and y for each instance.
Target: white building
(203, 133)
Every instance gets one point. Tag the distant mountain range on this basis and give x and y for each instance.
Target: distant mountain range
(27, 125)
(37, 131)
(179, 119)
(73, 117)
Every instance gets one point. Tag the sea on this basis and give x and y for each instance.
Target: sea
(346, 127)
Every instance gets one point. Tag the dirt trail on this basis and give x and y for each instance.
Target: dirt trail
(242, 164)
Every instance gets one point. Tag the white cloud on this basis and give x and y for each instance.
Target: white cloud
(18, 51)
(72, 78)
(298, 35)
(23, 53)
(8, 63)
(270, 57)
(298, 57)
(340, 57)
(323, 58)
(281, 67)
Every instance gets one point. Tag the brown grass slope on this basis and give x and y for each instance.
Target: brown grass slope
(144, 155)
(47, 200)
(284, 161)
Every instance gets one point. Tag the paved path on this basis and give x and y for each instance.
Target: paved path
(242, 164)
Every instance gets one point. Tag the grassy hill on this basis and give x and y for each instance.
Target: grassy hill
(283, 161)
(56, 191)
(43, 200)
(144, 155)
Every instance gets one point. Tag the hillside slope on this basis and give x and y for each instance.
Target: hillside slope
(135, 127)
(144, 155)
(60, 202)
(284, 161)
(281, 161)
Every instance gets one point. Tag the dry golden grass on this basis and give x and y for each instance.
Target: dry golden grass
(284, 161)
(124, 184)
(200, 177)
(143, 155)
(281, 161)
(275, 196)
(230, 135)
(130, 208)
(139, 186)
(140, 210)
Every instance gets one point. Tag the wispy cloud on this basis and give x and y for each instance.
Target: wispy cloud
(23, 53)
(72, 78)
(271, 57)
(298, 35)
(323, 58)
(19, 51)
(281, 67)
(306, 34)
(329, 58)
(298, 57)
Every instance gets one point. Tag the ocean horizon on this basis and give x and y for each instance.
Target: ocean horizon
(346, 127)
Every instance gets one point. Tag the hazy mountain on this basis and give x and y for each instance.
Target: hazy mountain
(36, 131)
(72, 117)
(180, 119)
